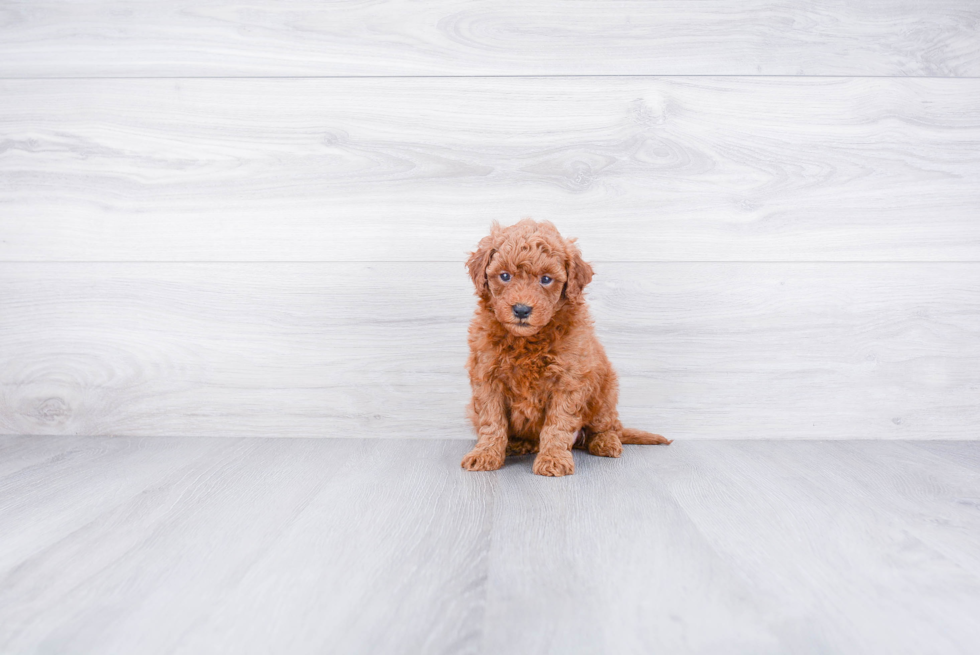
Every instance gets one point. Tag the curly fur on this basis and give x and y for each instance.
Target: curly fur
(543, 383)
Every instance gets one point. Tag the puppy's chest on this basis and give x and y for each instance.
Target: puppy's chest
(529, 378)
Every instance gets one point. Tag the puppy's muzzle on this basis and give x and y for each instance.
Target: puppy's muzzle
(521, 311)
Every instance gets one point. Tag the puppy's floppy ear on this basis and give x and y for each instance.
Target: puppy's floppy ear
(579, 272)
(479, 260)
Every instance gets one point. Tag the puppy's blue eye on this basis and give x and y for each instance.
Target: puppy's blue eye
(545, 280)
(505, 276)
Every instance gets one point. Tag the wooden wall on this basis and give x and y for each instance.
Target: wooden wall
(220, 218)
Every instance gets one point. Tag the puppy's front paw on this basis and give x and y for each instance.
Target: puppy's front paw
(555, 464)
(479, 459)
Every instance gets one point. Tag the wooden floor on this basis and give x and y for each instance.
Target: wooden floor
(193, 545)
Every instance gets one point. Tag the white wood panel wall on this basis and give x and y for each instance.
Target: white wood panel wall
(260, 231)
(138, 38)
(691, 169)
(376, 349)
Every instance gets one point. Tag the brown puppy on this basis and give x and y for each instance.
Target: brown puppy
(541, 380)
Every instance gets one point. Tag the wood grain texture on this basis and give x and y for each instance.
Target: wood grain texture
(190, 545)
(488, 37)
(267, 530)
(722, 350)
(691, 169)
(737, 547)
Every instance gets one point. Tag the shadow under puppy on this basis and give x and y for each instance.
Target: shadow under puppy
(541, 380)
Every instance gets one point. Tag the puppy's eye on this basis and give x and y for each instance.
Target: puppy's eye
(505, 276)
(545, 280)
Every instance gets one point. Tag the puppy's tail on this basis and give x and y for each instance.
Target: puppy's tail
(639, 436)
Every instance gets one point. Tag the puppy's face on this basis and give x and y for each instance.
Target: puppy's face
(525, 288)
(525, 273)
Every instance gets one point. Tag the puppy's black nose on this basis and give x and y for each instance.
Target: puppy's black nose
(521, 311)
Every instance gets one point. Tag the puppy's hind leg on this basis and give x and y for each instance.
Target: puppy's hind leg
(605, 437)
(606, 444)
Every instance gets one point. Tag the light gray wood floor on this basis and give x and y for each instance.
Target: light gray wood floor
(160, 545)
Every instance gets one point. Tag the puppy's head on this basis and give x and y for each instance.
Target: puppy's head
(526, 272)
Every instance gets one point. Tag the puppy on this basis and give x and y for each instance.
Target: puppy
(541, 381)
